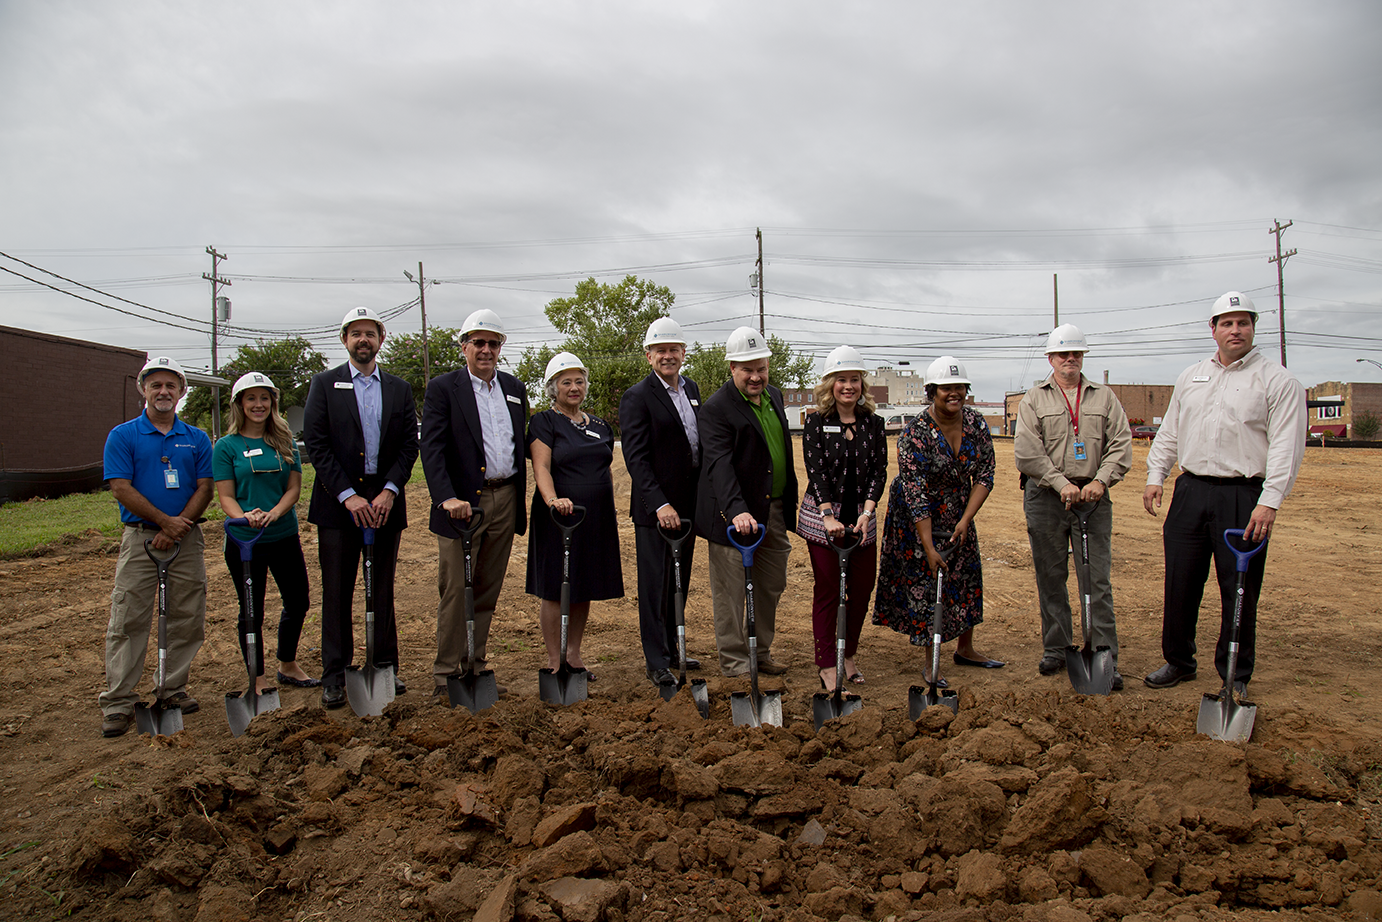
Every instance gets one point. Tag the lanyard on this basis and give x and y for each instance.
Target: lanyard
(1075, 413)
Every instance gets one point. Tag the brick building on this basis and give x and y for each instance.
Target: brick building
(52, 440)
(1147, 402)
(1358, 397)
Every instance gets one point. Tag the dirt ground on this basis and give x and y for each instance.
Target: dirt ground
(1034, 803)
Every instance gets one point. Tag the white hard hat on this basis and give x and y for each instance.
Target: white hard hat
(842, 358)
(484, 321)
(162, 363)
(360, 313)
(1230, 302)
(746, 345)
(562, 361)
(946, 370)
(252, 379)
(663, 330)
(1066, 338)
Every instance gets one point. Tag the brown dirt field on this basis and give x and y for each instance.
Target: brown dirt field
(1034, 803)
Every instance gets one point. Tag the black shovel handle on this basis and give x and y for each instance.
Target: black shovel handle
(676, 537)
(566, 530)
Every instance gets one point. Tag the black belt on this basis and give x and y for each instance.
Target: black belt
(1227, 481)
(1081, 481)
(496, 482)
(142, 526)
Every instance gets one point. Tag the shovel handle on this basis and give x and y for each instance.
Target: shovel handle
(1242, 556)
(676, 537)
(577, 511)
(746, 550)
(1083, 511)
(368, 536)
(943, 536)
(468, 531)
(162, 562)
(846, 543)
(246, 547)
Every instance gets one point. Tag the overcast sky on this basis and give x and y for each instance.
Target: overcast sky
(920, 171)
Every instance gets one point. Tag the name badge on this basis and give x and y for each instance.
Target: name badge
(1200, 379)
(512, 399)
(1079, 450)
(593, 435)
(834, 430)
(344, 386)
(254, 452)
(695, 403)
(170, 478)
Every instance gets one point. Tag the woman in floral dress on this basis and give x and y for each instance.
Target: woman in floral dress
(945, 472)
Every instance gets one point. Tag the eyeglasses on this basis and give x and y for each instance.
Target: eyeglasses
(486, 343)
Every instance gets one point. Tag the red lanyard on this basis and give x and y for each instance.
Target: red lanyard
(1075, 413)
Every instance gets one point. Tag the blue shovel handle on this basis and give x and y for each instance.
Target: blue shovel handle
(369, 536)
(246, 547)
(746, 550)
(1243, 556)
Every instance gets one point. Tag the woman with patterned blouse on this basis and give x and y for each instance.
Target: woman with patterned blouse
(846, 456)
(945, 472)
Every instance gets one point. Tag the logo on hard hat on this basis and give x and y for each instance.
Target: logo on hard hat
(1234, 301)
(753, 341)
(955, 370)
(360, 311)
(163, 361)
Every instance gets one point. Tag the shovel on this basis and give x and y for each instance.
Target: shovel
(1090, 669)
(921, 697)
(474, 689)
(753, 709)
(564, 685)
(1220, 716)
(242, 707)
(699, 694)
(369, 687)
(158, 719)
(824, 705)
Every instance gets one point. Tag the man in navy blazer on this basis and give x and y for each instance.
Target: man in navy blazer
(748, 479)
(360, 428)
(474, 451)
(662, 451)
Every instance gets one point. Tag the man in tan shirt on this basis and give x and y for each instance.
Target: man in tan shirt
(1072, 443)
(1236, 425)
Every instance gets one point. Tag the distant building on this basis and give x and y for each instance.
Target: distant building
(800, 402)
(1147, 402)
(1358, 397)
(905, 387)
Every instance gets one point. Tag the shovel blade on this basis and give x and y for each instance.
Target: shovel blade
(474, 691)
(369, 689)
(1222, 718)
(832, 706)
(748, 712)
(921, 697)
(1090, 671)
(668, 692)
(701, 696)
(157, 720)
(564, 686)
(242, 707)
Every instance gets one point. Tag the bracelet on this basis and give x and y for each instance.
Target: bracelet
(869, 512)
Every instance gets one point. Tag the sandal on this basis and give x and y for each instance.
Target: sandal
(857, 678)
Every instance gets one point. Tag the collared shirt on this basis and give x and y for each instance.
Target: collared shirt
(496, 427)
(138, 452)
(1044, 442)
(1243, 420)
(772, 434)
(369, 398)
(682, 402)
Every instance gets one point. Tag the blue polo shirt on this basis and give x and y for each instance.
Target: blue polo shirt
(136, 451)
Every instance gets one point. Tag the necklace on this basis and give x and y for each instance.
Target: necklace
(578, 423)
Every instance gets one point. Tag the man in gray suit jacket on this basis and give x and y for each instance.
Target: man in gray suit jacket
(662, 451)
(474, 455)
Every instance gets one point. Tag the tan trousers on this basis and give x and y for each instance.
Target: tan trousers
(133, 607)
(727, 593)
(490, 548)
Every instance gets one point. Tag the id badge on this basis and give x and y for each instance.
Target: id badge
(170, 478)
(1079, 450)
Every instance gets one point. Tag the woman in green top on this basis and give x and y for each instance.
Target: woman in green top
(259, 477)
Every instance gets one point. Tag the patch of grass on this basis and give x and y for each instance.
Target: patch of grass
(28, 525)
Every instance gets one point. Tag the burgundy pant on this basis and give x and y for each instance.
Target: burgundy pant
(863, 572)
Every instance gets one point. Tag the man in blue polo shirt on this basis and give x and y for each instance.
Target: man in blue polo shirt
(159, 469)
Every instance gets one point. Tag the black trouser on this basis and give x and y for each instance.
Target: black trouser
(339, 550)
(284, 559)
(657, 621)
(1201, 509)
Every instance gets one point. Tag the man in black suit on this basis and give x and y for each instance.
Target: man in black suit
(473, 454)
(662, 451)
(360, 427)
(748, 478)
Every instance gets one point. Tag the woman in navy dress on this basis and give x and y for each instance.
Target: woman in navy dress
(571, 452)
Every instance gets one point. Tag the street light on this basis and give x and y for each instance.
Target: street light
(422, 303)
(1373, 361)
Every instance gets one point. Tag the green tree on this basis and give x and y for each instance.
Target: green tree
(291, 363)
(707, 366)
(1366, 425)
(604, 327)
(402, 356)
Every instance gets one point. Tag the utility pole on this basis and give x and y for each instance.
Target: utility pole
(1280, 259)
(758, 271)
(1055, 300)
(422, 303)
(217, 283)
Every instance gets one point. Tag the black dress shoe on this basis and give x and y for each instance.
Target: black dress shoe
(398, 687)
(979, 663)
(333, 696)
(661, 676)
(1117, 680)
(1050, 665)
(1168, 676)
(692, 663)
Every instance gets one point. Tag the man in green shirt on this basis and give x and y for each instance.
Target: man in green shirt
(747, 478)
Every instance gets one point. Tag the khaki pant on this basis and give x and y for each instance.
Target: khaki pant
(727, 593)
(490, 548)
(133, 607)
